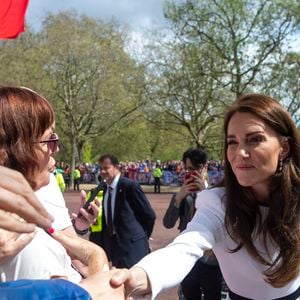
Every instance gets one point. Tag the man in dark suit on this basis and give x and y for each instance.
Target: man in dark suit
(127, 218)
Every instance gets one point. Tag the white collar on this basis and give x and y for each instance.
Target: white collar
(113, 185)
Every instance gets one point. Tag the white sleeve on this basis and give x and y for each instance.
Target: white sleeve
(168, 266)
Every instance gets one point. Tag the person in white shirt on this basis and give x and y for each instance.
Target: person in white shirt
(251, 221)
(52, 199)
(28, 143)
(20, 213)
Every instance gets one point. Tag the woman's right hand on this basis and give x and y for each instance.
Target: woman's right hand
(89, 254)
(135, 281)
(117, 284)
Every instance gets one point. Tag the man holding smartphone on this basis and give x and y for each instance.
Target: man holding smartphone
(182, 204)
(205, 276)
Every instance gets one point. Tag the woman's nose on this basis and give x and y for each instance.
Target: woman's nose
(56, 151)
(243, 151)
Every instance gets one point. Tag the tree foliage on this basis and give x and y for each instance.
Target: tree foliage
(94, 82)
(245, 35)
(174, 93)
(81, 66)
(217, 51)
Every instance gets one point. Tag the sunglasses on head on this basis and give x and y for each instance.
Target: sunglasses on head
(52, 142)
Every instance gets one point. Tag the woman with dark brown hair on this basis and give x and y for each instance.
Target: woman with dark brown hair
(27, 144)
(251, 221)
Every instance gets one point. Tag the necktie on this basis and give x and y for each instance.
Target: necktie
(109, 213)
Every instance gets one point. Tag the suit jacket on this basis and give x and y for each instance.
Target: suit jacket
(133, 224)
(184, 212)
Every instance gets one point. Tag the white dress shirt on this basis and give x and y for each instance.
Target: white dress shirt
(113, 185)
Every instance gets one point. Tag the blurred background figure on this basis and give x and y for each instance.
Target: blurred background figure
(60, 180)
(76, 178)
(206, 276)
(157, 173)
(67, 176)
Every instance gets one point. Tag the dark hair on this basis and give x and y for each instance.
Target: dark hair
(282, 224)
(197, 157)
(24, 117)
(113, 159)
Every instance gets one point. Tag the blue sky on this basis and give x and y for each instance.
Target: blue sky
(138, 14)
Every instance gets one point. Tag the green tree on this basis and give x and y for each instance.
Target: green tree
(217, 51)
(180, 91)
(94, 82)
(21, 62)
(284, 83)
(245, 35)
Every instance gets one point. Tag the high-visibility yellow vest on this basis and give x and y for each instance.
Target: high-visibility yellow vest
(97, 226)
(157, 172)
(60, 181)
(76, 174)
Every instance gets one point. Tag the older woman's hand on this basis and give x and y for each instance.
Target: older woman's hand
(17, 196)
(88, 253)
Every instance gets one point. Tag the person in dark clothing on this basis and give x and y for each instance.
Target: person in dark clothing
(205, 276)
(67, 176)
(157, 173)
(127, 218)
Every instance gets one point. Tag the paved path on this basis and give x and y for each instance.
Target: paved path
(161, 236)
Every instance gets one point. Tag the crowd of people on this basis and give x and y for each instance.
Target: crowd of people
(171, 173)
(242, 227)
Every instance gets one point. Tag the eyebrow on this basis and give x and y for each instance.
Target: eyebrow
(247, 135)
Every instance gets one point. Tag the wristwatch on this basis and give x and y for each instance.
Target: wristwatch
(80, 232)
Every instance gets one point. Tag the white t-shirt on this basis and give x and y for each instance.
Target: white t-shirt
(42, 258)
(52, 199)
(244, 275)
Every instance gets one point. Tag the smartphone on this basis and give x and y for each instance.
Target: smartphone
(189, 177)
(93, 193)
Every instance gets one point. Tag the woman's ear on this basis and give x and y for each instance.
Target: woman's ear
(285, 148)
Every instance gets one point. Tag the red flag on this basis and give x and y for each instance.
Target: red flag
(12, 14)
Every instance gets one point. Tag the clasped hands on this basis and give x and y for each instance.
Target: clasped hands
(21, 212)
(118, 284)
